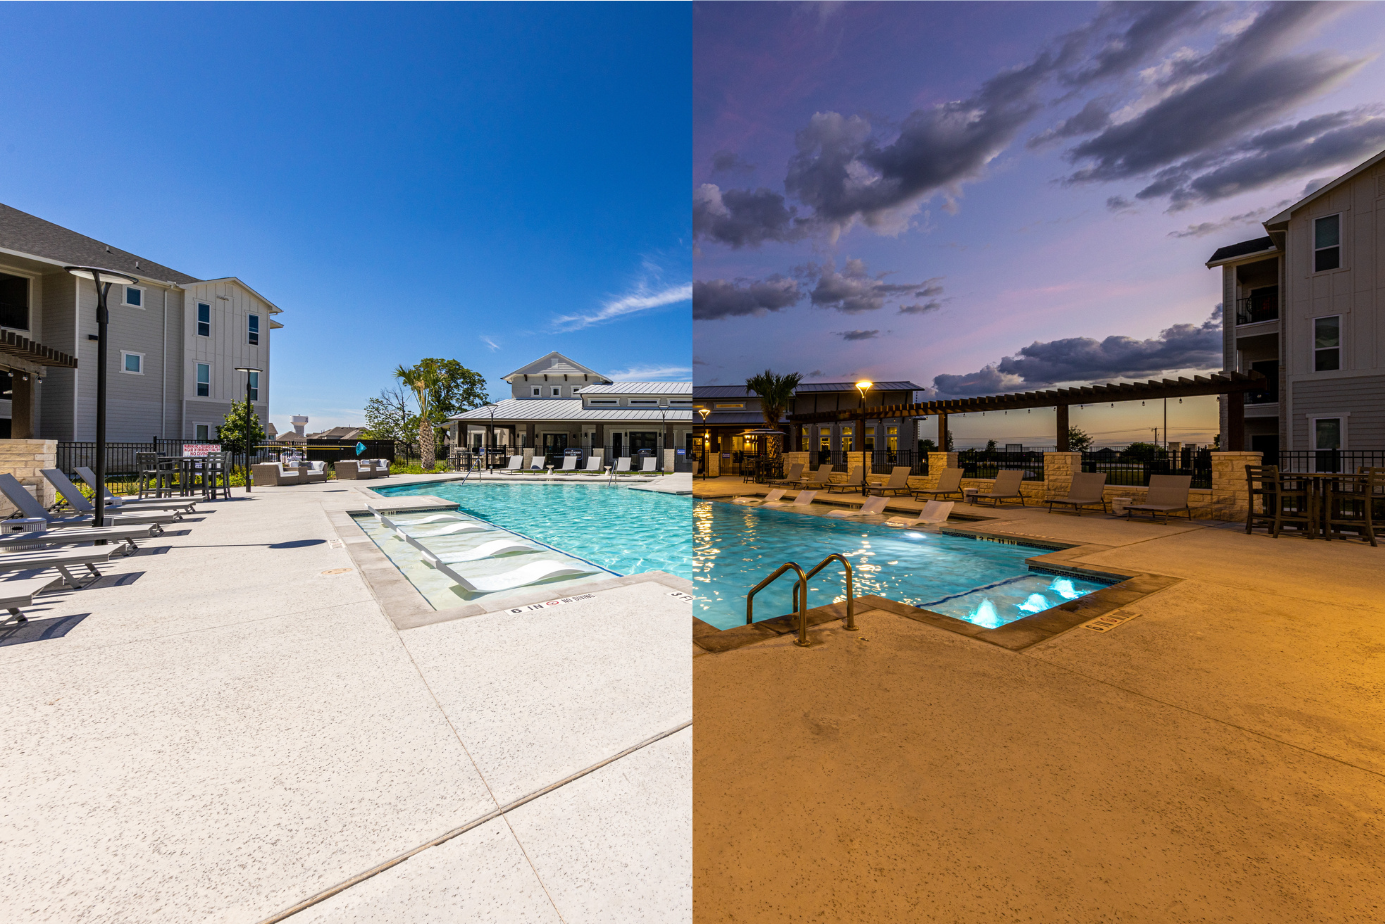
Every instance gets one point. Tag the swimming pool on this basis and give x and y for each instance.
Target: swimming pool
(983, 582)
(625, 531)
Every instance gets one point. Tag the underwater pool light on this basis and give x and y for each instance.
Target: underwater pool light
(1063, 587)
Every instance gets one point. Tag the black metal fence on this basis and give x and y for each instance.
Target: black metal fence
(1134, 471)
(881, 461)
(986, 463)
(1344, 461)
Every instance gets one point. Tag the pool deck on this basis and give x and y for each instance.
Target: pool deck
(228, 726)
(1218, 754)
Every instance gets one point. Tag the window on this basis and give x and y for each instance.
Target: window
(134, 296)
(204, 380)
(537, 391)
(824, 440)
(892, 438)
(204, 319)
(680, 402)
(132, 363)
(1327, 344)
(635, 402)
(846, 439)
(557, 391)
(14, 301)
(728, 407)
(202, 432)
(254, 385)
(253, 335)
(605, 402)
(1327, 243)
(576, 390)
(1327, 433)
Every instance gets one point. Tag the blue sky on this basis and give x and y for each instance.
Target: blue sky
(477, 181)
(995, 197)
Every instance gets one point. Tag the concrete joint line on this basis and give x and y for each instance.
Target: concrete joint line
(476, 822)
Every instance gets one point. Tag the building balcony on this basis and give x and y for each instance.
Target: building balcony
(1257, 308)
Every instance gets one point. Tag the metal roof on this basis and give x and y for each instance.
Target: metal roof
(737, 418)
(740, 391)
(640, 388)
(514, 409)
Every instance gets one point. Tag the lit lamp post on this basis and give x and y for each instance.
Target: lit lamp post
(103, 278)
(706, 439)
(249, 372)
(863, 386)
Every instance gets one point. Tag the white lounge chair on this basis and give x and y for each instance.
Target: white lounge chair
(523, 576)
(78, 502)
(29, 506)
(20, 592)
(492, 549)
(126, 534)
(456, 525)
(772, 498)
(135, 504)
(648, 465)
(569, 463)
(536, 464)
(61, 559)
(594, 464)
(873, 507)
(803, 499)
(932, 512)
(622, 467)
(433, 518)
(516, 463)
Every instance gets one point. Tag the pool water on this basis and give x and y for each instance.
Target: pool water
(625, 531)
(983, 582)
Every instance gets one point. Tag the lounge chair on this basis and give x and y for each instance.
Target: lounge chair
(20, 592)
(522, 576)
(771, 498)
(873, 507)
(594, 464)
(1167, 494)
(516, 464)
(492, 549)
(949, 482)
(537, 463)
(648, 465)
(455, 525)
(793, 476)
(854, 478)
(820, 478)
(803, 499)
(29, 506)
(898, 482)
(135, 504)
(622, 467)
(569, 464)
(1006, 487)
(78, 502)
(126, 534)
(932, 512)
(1088, 489)
(61, 559)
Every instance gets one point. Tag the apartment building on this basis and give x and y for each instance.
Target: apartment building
(1305, 306)
(173, 342)
(557, 404)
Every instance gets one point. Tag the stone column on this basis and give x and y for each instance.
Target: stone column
(25, 460)
(1230, 491)
(1059, 467)
(937, 461)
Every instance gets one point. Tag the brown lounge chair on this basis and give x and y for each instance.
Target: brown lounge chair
(898, 482)
(855, 477)
(1006, 487)
(950, 482)
(793, 476)
(1088, 489)
(819, 479)
(1167, 494)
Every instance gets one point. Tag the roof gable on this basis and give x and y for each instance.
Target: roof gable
(555, 363)
(1351, 174)
(273, 308)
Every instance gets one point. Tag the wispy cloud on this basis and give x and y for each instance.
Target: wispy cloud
(490, 343)
(653, 374)
(642, 298)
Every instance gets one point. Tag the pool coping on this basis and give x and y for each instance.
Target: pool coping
(1059, 558)
(401, 601)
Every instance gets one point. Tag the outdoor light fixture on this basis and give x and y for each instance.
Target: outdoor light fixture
(248, 411)
(487, 449)
(103, 278)
(706, 439)
(863, 386)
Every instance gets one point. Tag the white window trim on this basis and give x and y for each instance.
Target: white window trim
(125, 353)
(536, 392)
(211, 432)
(1343, 416)
(557, 391)
(125, 297)
(1341, 244)
(1341, 342)
(195, 383)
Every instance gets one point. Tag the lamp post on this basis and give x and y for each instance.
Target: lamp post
(490, 436)
(248, 370)
(706, 439)
(103, 278)
(863, 386)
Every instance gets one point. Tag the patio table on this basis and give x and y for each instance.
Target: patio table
(1323, 489)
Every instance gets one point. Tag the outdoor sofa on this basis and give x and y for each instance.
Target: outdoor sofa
(275, 474)
(352, 470)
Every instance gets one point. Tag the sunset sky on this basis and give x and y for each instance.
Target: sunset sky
(1000, 197)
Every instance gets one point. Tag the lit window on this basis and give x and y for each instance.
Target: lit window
(1327, 344)
(254, 386)
(892, 438)
(727, 407)
(134, 296)
(1327, 243)
(254, 332)
(132, 363)
(204, 380)
(204, 319)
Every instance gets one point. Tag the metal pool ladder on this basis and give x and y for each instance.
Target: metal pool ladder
(800, 595)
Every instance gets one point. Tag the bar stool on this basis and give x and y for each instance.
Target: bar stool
(147, 465)
(217, 475)
(1350, 505)
(1262, 481)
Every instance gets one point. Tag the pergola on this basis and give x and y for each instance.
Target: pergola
(1232, 384)
(27, 358)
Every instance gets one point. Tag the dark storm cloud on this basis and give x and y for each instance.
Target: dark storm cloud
(1083, 359)
(722, 298)
(742, 217)
(855, 289)
(858, 334)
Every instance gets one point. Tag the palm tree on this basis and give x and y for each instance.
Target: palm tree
(423, 379)
(775, 391)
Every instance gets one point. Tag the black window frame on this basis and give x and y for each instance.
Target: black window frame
(204, 328)
(198, 385)
(1335, 350)
(1327, 253)
(252, 329)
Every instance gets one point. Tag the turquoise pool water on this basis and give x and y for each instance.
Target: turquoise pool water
(626, 531)
(986, 583)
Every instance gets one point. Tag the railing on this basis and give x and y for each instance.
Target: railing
(1344, 461)
(1257, 308)
(801, 601)
(881, 461)
(986, 463)
(1130, 471)
(1268, 396)
(850, 591)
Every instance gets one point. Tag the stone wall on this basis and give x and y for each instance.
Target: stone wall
(1230, 490)
(24, 459)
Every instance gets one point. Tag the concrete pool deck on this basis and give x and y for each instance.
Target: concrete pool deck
(1218, 754)
(228, 725)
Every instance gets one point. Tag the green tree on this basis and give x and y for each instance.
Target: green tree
(388, 416)
(1141, 452)
(1078, 440)
(422, 380)
(775, 392)
(231, 431)
(927, 446)
(990, 445)
(457, 389)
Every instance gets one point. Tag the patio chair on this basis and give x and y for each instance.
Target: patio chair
(1350, 504)
(20, 592)
(516, 464)
(537, 463)
(62, 560)
(803, 499)
(351, 470)
(932, 512)
(873, 507)
(855, 477)
(648, 465)
(594, 464)
(569, 463)
(1006, 487)
(132, 504)
(771, 498)
(820, 478)
(1087, 489)
(29, 506)
(1167, 494)
(523, 576)
(380, 466)
(20, 542)
(1284, 500)
(949, 482)
(898, 482)
(78, 502)
(622, 467)
(313, 472)
(151, 475)
(793, 476)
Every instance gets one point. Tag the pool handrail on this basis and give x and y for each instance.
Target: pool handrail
(850, 589)
(802, 600)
